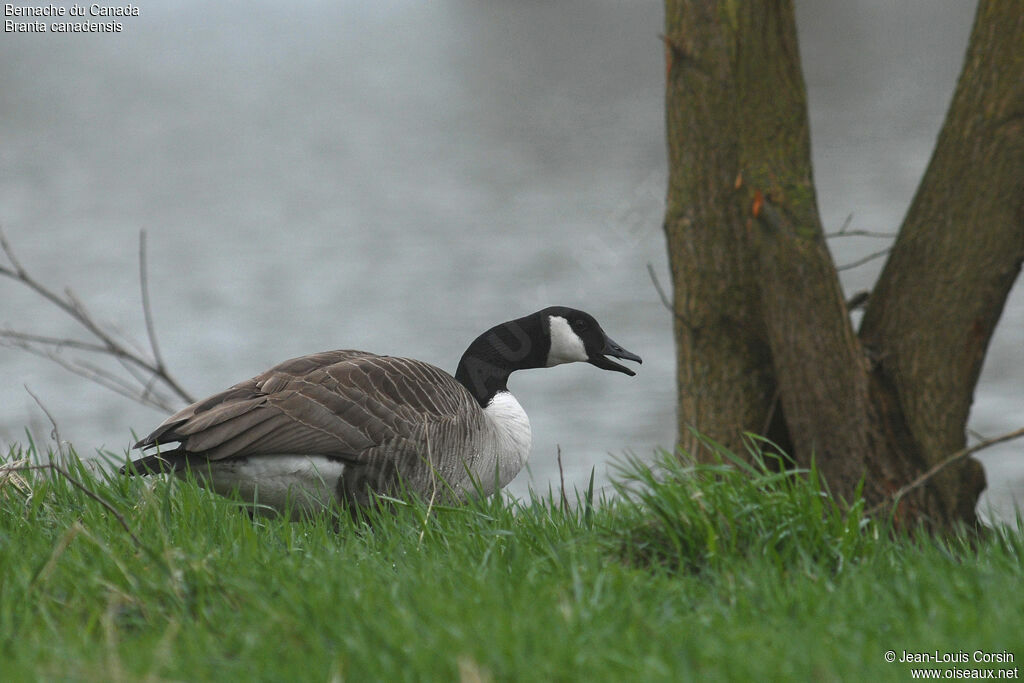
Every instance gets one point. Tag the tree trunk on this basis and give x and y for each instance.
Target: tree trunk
(958, 253)
(764, 338)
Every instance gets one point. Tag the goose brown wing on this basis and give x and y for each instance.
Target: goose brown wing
(336, 404)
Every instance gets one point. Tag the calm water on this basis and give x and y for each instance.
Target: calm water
(398, 177)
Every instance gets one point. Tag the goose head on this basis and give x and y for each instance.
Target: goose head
(549, 337)
(575, 336)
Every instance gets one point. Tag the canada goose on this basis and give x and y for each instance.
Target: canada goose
(339, 425)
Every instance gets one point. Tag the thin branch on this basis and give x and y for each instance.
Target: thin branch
(147, 311)
(19, 339)
(16, 339)
(857, 300)
(664, 298)
(119, 385)
(93, 373)
(860, 233)
(661, 292)
(866, 259)
(144, 371)
(974, 434)
(124, 338)
(771, 219)
(55, 434)
(938, 467)
(136, 374)
(846, 224)
(844, 231)
(89, 370)
(81, 314)
(17, 271)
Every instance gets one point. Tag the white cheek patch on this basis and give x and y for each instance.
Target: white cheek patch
(566, 346)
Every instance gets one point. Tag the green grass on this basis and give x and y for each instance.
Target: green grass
(717, 572)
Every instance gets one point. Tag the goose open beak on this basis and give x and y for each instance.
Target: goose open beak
(615, 351)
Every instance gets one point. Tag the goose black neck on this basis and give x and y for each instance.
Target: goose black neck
(497, 353)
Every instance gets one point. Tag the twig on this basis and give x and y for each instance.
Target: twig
(661, 292)
(938, 467)
(975, 434)
(55, 434)
(21, 339)
(845, 226)
(95, 374)
(866, 259)
(147, 311)
(857, 300)
(860, 233)
(143, 371)
(6, 247)
(844, 231)
(664, 298)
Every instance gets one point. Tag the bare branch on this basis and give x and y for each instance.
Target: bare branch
(16, 339)
(844, 231)
(845, 226)
(858, 300)
(95, 374)
(147, 311)
(661, 292)
(664, 298)
(55, 434)
(963, 453)
(81, 314)
(866, 259)
(89, 370)
(126, 339)
(860, 233)
(146, 374)
(6, 247)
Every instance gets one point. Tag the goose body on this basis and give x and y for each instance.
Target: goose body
(342, 425)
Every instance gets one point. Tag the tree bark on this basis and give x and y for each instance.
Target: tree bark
(941, 293)
(764, 338)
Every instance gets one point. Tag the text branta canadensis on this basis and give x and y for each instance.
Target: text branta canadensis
(340, 425)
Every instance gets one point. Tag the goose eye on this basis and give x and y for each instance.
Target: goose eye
(579, 325)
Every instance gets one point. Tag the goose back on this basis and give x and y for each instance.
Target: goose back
(390, 423)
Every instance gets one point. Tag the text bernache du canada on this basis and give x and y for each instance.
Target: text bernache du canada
(93, 10)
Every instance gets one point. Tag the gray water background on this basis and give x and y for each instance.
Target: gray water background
(398, 176)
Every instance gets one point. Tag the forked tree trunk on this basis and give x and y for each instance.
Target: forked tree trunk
(764, 339)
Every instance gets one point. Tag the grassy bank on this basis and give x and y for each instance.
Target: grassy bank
(721, 574)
